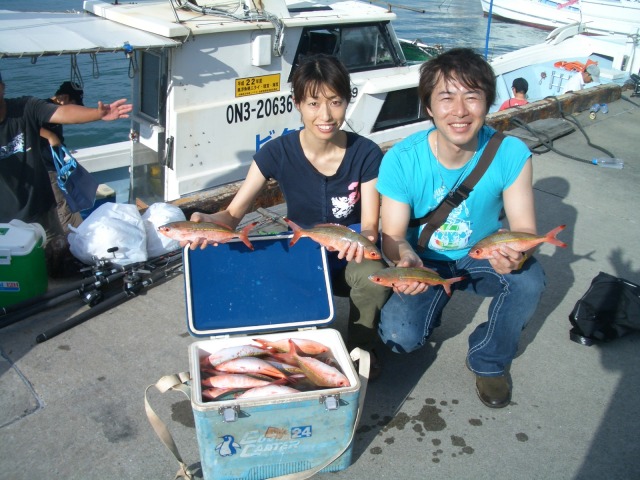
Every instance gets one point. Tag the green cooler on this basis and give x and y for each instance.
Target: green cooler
(23, 271)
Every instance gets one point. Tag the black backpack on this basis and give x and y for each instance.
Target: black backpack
(609, 309)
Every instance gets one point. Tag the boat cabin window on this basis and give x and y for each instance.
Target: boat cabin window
(151, 85)
(360, 47)
(401, 107)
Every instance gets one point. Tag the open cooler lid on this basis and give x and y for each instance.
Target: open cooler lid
(233, 290)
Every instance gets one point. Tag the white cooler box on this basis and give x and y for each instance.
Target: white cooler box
(233, 295)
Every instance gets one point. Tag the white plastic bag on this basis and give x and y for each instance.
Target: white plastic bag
(110, 225)
(157, 215)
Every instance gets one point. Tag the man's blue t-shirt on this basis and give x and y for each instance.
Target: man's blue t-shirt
(312, 197)
(411, 174)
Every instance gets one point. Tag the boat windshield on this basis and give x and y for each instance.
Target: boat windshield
(360, 47)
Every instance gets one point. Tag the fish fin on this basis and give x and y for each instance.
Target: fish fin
(551, 237)
(244, 234)
(297, 231)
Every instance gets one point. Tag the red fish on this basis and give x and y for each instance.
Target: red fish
(334, 237)
(310, 347)
(398, 276)
(320, 373)
(210, 231)
(518, 241)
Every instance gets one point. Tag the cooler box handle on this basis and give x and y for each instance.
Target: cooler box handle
(5, 256)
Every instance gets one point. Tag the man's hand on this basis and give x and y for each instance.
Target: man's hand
(118, 109)
(506, 260)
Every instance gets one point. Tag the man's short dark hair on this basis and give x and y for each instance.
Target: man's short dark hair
(74, 91)
(460, 64)
(521, 85)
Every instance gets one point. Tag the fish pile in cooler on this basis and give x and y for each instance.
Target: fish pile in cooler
(267, 368)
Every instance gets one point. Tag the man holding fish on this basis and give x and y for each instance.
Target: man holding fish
(457, 88)
(327, 176)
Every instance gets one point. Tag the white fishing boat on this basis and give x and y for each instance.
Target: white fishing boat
(210, 81)
(602, 16)
(547, 66)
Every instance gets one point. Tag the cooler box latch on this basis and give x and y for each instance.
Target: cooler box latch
(331, 402)
(229, 414)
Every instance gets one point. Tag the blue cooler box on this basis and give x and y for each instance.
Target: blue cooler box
(234, 294)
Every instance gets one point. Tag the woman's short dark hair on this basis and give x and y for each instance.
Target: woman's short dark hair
(317, 71)
(459, 64)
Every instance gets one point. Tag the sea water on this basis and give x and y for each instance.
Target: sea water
(450, 23)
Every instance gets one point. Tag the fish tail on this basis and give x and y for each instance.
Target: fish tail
(551, 237)
(447, 284)
(296, 231)
(244, 234)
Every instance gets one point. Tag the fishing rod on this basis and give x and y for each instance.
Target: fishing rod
(101, 269)
(88, 289)
(134, 283)
(90, 294)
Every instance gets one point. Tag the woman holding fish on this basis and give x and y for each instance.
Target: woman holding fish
(457, 88)
(327, 176)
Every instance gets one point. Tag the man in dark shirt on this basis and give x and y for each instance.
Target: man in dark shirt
(25, 188)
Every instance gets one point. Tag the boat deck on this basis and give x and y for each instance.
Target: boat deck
(72, 407)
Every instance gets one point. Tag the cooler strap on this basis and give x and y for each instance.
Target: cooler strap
(178, 382)
(169, 382)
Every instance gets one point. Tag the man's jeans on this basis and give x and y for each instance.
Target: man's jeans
(407, 321)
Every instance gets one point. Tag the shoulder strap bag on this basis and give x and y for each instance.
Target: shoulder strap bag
(436, 217)
(77, 185)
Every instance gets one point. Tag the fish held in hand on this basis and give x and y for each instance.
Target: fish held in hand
(399, 276)
(205, 232)
(518, 241)
(334, 236)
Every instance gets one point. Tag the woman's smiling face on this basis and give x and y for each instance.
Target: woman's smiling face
(323, 114)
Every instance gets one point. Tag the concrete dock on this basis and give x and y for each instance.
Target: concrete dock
(73, 407)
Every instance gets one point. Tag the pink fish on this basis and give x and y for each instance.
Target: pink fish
(334, 236)
(318, 372)
(229, 353)
(310, 347)
(518, 241)
(268, 390)
(214, 393)
(250, 365)
(210, 231)
(235, 380)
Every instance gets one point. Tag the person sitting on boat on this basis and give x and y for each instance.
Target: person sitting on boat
(25, 187)
(519, 87)
(457, 89)
(327, 175)
(51, 135)
(591, 73)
